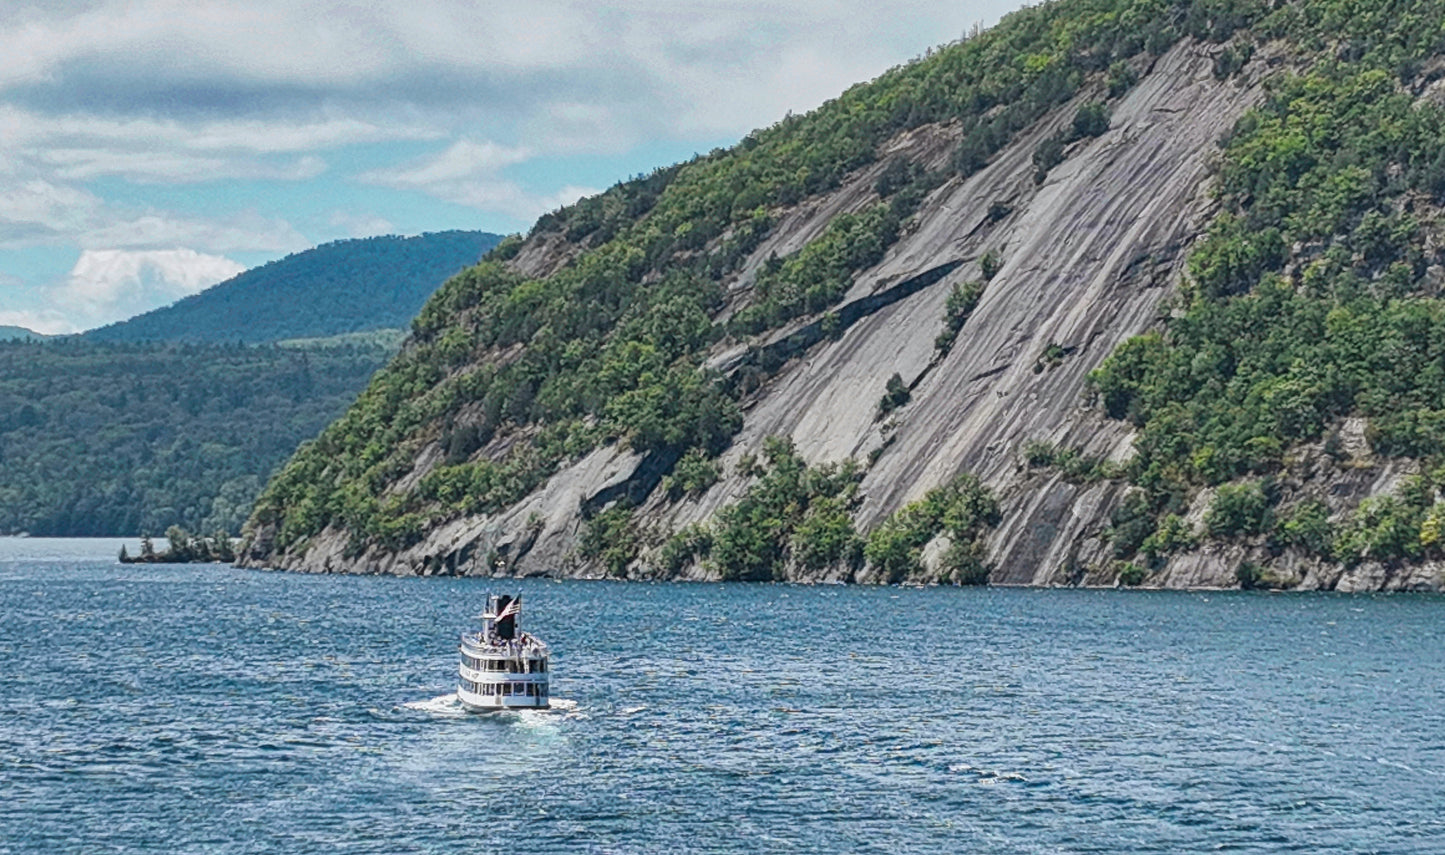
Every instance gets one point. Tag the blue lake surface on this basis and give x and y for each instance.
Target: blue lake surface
(207, 709)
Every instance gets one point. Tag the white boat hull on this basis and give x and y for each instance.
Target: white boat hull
(493, 703)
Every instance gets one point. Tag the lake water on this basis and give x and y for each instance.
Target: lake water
(207, 709)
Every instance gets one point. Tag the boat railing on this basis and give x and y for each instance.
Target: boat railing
(510, 647)
(499, 677)
(509, 665)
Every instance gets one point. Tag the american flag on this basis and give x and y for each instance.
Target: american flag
(512, 608)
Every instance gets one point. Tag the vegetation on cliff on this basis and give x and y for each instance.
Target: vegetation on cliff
(963, 510)
(1313, 295)
(515, 375)
(792, 516)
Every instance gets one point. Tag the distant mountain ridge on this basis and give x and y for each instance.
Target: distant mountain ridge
(13, 333)
(336, 288)
(178, 416)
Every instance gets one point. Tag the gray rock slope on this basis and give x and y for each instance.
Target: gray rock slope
(1089, 257)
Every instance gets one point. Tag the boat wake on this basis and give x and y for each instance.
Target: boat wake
(442, 705)
(449, 706)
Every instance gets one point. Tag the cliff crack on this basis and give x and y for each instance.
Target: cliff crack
(770, 357)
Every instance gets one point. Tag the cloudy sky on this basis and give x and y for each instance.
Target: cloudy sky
(150, 148)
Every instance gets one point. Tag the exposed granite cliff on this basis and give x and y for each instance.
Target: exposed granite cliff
(1089, 258)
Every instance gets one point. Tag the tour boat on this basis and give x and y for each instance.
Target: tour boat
(502, 667)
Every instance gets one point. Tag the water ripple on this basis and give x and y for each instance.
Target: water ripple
(151, 709)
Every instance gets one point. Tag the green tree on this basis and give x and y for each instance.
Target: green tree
(1238, 510)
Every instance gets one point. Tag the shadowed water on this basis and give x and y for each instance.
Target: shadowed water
(206, 709)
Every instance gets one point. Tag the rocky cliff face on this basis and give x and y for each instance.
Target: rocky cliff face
(1079, 263)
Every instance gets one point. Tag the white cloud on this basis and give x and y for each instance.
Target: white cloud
(77, 147)
(15, 293)
(343, 73)
(98, 97)
(163, 167)
(35, 210)
(111, 285)
(469, 173)
(464, 160)
(45, 322)
(255, 135)
(360, 224)
(247, 232)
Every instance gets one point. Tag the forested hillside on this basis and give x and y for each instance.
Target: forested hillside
(340, 287)
(1118, 291)
(111, 439)
(174, 418)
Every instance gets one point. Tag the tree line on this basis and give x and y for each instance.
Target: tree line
(121, 439)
